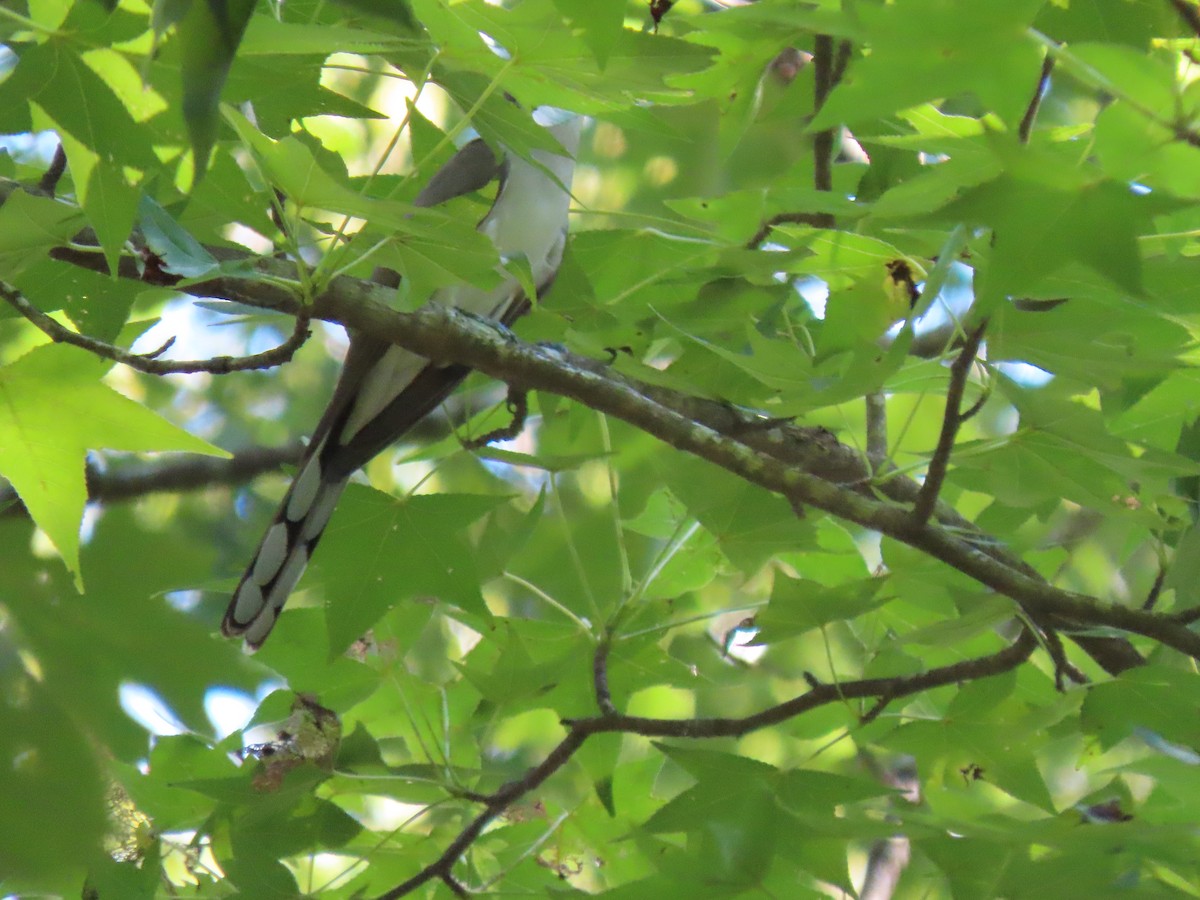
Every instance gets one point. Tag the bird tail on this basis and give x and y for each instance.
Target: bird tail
(284, 552)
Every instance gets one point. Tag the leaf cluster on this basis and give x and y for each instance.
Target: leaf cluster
(856, 501)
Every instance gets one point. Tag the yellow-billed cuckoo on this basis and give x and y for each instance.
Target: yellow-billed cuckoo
(384, 390)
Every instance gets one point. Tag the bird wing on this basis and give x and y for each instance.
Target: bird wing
(384, 390)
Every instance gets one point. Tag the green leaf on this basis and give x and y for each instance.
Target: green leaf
(749, 525)
(943, 49)
(98, 305)
(516, 675)
(1042, 226)
(1124, 22)
(54, 410)
(1154, 698)
(798, 605)
(397, 11)
(29, 226)
(68, 91)
(107, 198)
(379, 551)
(208, 35)
(267, 36)
(181, 253)
(600, 24)
(53, 815)
(1094, 338)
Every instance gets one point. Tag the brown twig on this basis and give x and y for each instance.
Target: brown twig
(877, 437)
(600, 676)
(1155, 589)
(1064, 669)
(518, 404)
(827, 73)
(823, 84)
(1025, 130)
(951, 420)
(816, 220)
(845, 48)
(174, 474)
(806, 466)
(1186, 616)
(1189, 13)
(147, 362)
(442, 867)
(48, 183)
(579, 730)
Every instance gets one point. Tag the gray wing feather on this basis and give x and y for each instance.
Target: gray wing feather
(470, 169)
(345, 439)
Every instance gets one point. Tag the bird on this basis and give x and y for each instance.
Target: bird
(384, 390)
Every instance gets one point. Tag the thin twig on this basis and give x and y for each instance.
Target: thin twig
(1064, 669)
(816, 220)
(877, 436)
(174, 474)
(951, 420)
(876, 709)
(1189, 13)
(146, 362)
(828, 72)
(823, 83)
(518, 404)
(1025, 130)
(845, 48)
(1155, 589)
(1186, 616)
(58, 165)
(442, 867)
(600, 676)
(580, 730)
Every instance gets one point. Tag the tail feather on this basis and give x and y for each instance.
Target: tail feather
(284, 552)
(384, 390)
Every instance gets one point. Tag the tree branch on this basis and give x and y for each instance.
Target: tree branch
(830, 65)
(823, 83)
(147, 362)
(54, 173)
(171, 474)
(600, 676)
(1189, 14)
(808, 466)
(1025, 130)
(951, 420)
(877, 430)
(579, 730)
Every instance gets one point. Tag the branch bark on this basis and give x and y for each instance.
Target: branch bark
(808, 466)
(612, 721)
(174, 474)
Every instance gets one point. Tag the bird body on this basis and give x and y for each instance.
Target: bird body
(384, 390)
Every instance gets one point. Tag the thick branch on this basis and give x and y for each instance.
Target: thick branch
(808, 466)
(443, 334)
(174, 474)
